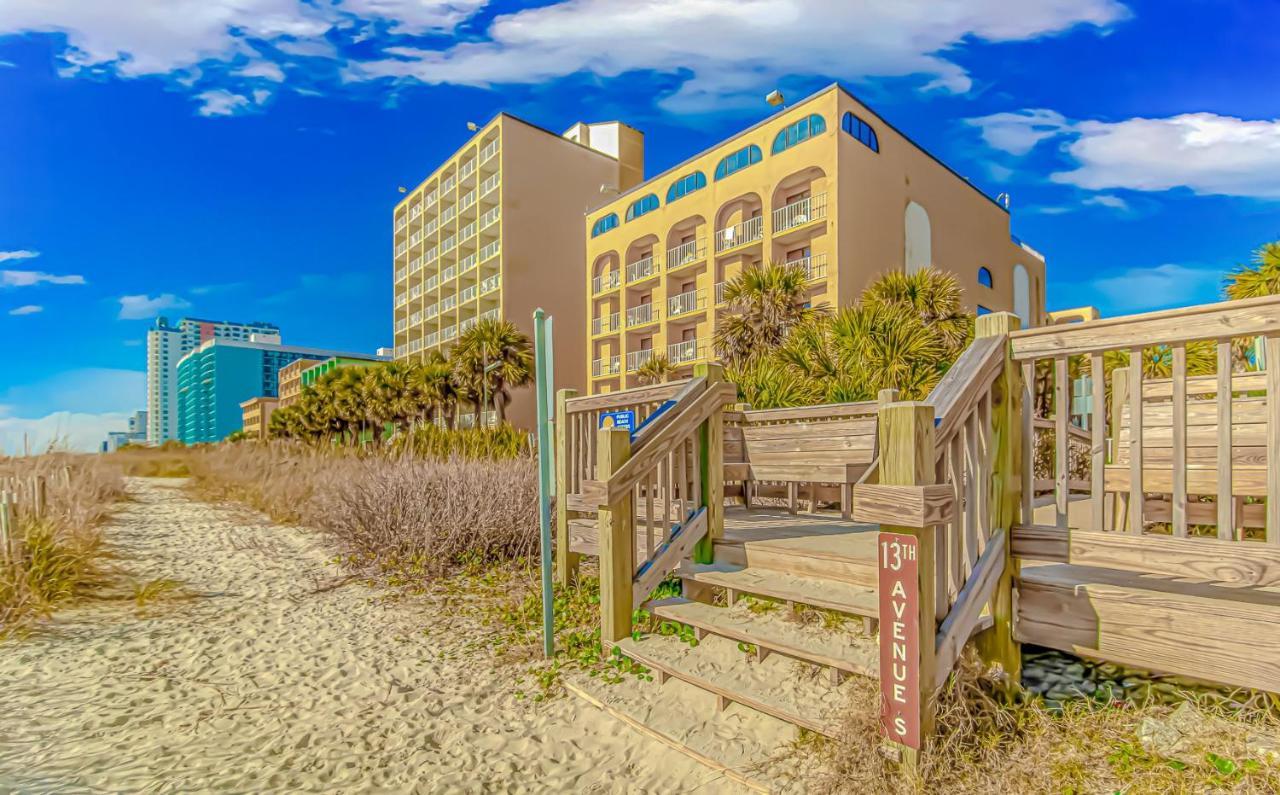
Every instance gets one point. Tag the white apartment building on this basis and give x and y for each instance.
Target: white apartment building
(166, 344)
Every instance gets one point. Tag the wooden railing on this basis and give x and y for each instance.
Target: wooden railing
(659, 492)
(1202, 437)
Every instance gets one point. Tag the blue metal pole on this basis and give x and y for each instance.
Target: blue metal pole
(544, 374)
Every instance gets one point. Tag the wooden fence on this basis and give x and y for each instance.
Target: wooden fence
(19, 496)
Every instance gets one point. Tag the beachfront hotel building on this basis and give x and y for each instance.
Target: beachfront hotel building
(826, 184)
(256, 416)
(221, 374)
(167, 343)
(289, 386)
(496, 231)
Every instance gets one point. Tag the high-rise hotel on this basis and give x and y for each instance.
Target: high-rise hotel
(496, 231)
(826, 184)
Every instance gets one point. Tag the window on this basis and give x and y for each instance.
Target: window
(604, 224)
(747, 156)
(686, 185)
(861, 130)
(982, 310)
(799, 131)
(639, 207)
(984, 277)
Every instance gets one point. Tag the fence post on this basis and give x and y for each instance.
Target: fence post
(1119, 399)
(997, 644)
(711, 463)
(566, 560)
(617, 540)
(907, 575)
(6, 529)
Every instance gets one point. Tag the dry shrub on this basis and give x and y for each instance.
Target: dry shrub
(166, 461)
(426, 516)
(57, 553)
(983, 745)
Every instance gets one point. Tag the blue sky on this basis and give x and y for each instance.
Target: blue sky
(239, 158)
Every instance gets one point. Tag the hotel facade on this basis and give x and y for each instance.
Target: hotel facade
(826, 184)
(496, 231)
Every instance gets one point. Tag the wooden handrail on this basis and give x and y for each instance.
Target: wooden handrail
(627, 397)
(679, 403)
(955, 396)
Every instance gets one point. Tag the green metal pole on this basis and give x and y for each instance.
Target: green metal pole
(544, 375)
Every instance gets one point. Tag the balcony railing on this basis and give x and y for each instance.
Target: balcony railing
(415, 238)
(605, 323)
(430, 255)
(490, 284)
(401, 223)
(433, 282)
(815, 267)
(686, 253)
(401, 274)
(799, 213)
(449, 214)
(401, 325)
(467, 263)
(448, 333)
(415, 346)
(433, 311)
(448, 184)
(468, 294)
(466, 324)
(448, 303)
(740, 234)
(642, 269)
(684, 303)
(490, 183)
(415, 291)
(432, 197)
(490, 249)
(448, 244)
(432, 226)
(490, 216)
(490, 149)
(609, 365)
(682, 352)
(415, 264)
(468, 168)
(608, 281)
(491, 314)
(401, 248)
(640, 315)
(467, 231)
(720, 292)
(415, 211)
(468, 199)
(637, 358)
(449, 273)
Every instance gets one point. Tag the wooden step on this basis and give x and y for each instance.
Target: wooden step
(805, 544)
(840, 649)
(815, 591)
(1170, 624)
(771, 686)
(584, 534)
(781, 557)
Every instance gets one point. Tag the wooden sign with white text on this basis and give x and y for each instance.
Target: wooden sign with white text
(899, 638)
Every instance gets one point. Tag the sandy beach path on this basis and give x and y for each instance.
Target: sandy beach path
(256, 683)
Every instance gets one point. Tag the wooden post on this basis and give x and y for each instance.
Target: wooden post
(6, 529)
(617, 540)
(1119, 399)
(711, 467)
(566, 559)
(907, 573)
(997, 644)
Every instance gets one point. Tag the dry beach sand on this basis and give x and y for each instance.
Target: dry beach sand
(261, 677)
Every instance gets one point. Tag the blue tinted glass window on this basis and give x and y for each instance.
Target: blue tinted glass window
(639, 207)
(604, 224)
(686, 185)
(747, 156)
(984, 277)
(861, 130)
(982, 310)
(799, 131)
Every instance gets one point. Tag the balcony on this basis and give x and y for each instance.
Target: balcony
(448, 333)
(720, 292)
(401, 300)
(605, 324)
(415, 238)
(489, 217)
(448, 244)
(468, 294)
(466, 324)
(468, 199)
(637, 358)
(433, 282)
(800, 212)
(415, 291)
(490, 250)
(642, 269)
(490, 149)
(449, 303)
(489, 184)
(468, 168)
(433, 338)
(490, 284)
(685, 254)
(432, 198)
(415, 211)
(433, 311)
(467, 263)
(467, 232)
(740, 234)
(641, 315)
(685, 303)
(610, 365)
(449, 214)
(430, 255)
(401, 248)
(449, 273)
(449, 184)
(401, 325)
(401, 274)
(401, 223)
(815, 267)
(684, 352)
(608, 281)
(491, 314)
(432, 226)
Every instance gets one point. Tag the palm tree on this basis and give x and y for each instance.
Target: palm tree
(767, 384)
(765, 303)
(1259, 279)
(501, 349)
(385, 392)
(889, 346)
(434, 389)
(933, 295)
(657, 370)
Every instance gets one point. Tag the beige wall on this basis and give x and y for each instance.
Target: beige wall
(289, 386)
(256, 416)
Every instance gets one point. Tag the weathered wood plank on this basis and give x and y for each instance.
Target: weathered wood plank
(627, 398)
(1180, 440)
(1135, 444)
(566, 558)
(1062, 414)
(1098, 444)
(959, 624)
(914, 506)
(1225, 397)
(1273, 438)
(655, 570)
(1250, 481)
(617, 542)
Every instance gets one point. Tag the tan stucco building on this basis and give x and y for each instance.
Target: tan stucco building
(290, 383)
(825, 183)
(257, 416)
(496, 231)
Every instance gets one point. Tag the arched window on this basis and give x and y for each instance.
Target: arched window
(918, 254)
(686, 185)
(982, 310)
(1022, 294)
(604, 224)
(984, 276)
(746, 156)
(861, 130)
(799, 131)
(645, 204)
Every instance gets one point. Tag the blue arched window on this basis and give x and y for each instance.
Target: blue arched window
(799, 131)
(604, 224)
(861, 130)
(747, 156)
(645, 204)
(686, 185)
(984, 277)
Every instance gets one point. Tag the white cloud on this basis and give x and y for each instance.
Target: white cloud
(28, 309)
(1107, 200)
(261, 95)
(268, 70)
(63, 430)
(31, 278)
(19, 254)
(1158, 287)
(140, 307)
(220, 102)
(733, 48)
(413, 16)
(1204, 152)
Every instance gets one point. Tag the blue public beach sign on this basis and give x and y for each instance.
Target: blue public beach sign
(619, 420)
